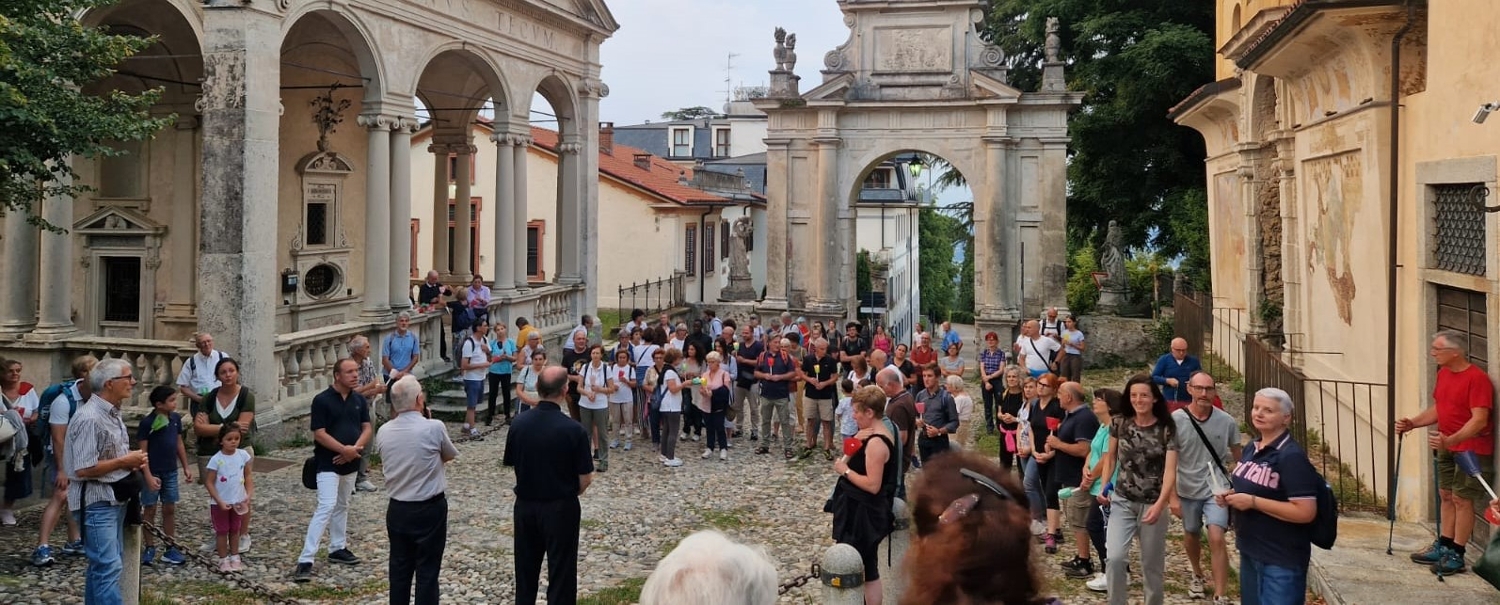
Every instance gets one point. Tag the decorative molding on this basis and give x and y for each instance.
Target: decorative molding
(404, 123)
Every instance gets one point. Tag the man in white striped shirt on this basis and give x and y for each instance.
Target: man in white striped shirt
(98, 454)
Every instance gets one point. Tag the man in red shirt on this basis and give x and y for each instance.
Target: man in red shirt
(1461, 407)
(923, 354)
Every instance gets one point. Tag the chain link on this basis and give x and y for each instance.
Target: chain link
(269, 595)
(800, 581)
(489, 430)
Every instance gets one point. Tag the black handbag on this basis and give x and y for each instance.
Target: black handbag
(127, 488)
(310, 472)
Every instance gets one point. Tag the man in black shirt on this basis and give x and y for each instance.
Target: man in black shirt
(746, 404)
(554, 466)
(573, 358)
(430, 294)
(853, 345)
(776, 372)
(821, 372)
(340, 423)
(1071, 443)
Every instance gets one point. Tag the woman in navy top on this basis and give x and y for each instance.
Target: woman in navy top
(1274, 497)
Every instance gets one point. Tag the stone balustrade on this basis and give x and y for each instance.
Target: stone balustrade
(553, 309)
(154, 362)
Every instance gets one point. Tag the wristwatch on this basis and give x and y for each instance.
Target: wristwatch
(845, 474)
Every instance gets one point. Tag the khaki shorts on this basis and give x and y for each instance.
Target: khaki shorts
(1452, 478)
(817, 409)
(1076, 509)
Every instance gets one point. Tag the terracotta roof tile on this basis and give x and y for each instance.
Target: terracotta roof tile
(661, 179)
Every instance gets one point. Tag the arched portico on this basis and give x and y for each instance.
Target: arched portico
(916, 76)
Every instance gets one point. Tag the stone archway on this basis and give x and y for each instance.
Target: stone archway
(916, 75)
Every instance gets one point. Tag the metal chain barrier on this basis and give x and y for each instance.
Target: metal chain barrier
(237, 578)
(489, 430)
(800, 581)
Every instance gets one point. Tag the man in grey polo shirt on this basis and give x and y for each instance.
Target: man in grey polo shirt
(414, 450)
(1200, 426)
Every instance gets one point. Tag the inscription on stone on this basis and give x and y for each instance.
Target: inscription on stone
(914, 49)
(483, 14)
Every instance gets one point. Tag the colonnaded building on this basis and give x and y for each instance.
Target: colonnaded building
(268, 215)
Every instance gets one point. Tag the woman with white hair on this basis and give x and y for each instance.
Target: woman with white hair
(1274, 496)
(707, 568)
(965, 404)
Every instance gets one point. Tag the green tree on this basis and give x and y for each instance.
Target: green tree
(47, 60)
(689, 113)
(939, 235)
(1083, 292)
(1135, 60)
(863, 283)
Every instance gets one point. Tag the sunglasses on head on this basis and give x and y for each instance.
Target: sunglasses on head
(961, 507)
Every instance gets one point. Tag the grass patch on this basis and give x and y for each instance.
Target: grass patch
(611, 320)
(722, 519)
(221, 594)
(627, 593)
(317, 592)
(297, 440)
(988, 444)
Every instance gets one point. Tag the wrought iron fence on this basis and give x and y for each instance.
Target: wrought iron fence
(655, 296)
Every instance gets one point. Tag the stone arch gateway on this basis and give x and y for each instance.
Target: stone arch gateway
(916, 75)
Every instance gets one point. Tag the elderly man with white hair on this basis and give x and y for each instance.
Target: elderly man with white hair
(372, 387)
(707, 568)
(414, 449)
(98, 455)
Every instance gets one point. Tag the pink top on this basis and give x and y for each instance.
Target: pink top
(712, 380)
(883, 343)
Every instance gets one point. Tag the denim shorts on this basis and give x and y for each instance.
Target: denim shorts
(166, 495)
(1195, 513)
(473, 391)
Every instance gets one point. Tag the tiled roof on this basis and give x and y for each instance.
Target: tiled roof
(662, 177)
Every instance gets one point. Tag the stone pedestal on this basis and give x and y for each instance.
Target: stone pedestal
(739, 289)
(1111, 301)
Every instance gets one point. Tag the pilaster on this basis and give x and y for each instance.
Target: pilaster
(463, 213)
(182, 232)
(569, 204)
(20, 266)
(833, 261)
(777, 224)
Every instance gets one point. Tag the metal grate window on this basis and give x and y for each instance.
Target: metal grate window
(710, 262)
(690, 249)
(1458, 227)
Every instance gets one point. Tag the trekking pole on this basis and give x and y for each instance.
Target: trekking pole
(1391, 500)
(1438, 492)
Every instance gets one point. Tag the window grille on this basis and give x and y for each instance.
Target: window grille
(1459, 227)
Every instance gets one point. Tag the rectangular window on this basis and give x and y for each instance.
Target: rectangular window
(476, 204)
(453, 168)
(724, 240)
(880, 178)
(535, 230)
(709, 260)
(1458, 227)
(690, 249)
(682, 142)
(416, 227)
(122, 288)
(317, 224)
(721, 142)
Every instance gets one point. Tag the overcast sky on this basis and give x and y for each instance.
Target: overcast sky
(670, 54)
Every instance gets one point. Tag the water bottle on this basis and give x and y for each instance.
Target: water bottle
(1065, 493)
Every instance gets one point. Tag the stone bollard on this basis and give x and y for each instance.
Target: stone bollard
(843, 576)
(893, 553)
(130, 577)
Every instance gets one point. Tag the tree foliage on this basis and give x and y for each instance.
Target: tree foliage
(689, 113)
(47, 60)
(1134, 59)
(940, 234)
(1083, 292)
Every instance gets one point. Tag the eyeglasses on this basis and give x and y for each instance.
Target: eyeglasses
(1200, 387)
(1050, 385)
(126, 378)
(963, 505)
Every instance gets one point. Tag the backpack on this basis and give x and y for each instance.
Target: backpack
(899, 456)
(193, 361)
(61, 389)
(1325, 525)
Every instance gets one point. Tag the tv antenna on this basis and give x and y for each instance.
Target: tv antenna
(729, 81)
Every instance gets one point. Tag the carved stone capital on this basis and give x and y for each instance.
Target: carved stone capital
(521, 140)
(570, 148)
(376, 121)
(406, 124)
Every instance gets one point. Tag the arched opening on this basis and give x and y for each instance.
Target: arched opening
(135, 231)
(1235, 21)
(553, 247)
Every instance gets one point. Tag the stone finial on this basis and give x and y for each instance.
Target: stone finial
(1053, 49)
(780, 52)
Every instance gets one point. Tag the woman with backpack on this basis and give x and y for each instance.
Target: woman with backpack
(230, 403)
(463, 319)
(1274, 498)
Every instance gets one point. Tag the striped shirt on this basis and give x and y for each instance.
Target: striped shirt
(96, 434)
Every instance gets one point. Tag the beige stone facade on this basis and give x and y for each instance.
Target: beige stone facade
(276, 213)
(1304, 163)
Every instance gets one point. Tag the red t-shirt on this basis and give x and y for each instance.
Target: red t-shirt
(1455, 394)
(923, 357)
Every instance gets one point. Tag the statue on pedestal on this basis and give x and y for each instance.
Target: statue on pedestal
(1113, 292)
(1053, 49)
(740, 288)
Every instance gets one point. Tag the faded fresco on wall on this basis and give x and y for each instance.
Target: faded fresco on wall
(1228, 237)
(1336, 194)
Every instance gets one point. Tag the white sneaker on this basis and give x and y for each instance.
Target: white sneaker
(1098, 583)
(673, 463)
(1038, 528)
(707, 453)
(614, 444)
(660, 458)
(724, 454)
(1195, 587)
(365, 486)
(695, 437)
(8, 517)
(244, 542)
(627, 446)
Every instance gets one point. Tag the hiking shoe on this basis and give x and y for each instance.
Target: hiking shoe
(1450, 563)
(1098, 584)
(148, 555)
(1195, 587)
(1051, 544)
(1084, 569)
(42, 556)
(1072, 563)
(303, 573)
(365, 486)
(343, 556)
(1429, 556)
(173, 557)
(762, 450)
(74, 548)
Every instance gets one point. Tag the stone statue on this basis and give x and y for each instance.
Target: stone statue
(1054, 42)
(780, 53)
(740, 288)
(791, 52)
(1112, 261)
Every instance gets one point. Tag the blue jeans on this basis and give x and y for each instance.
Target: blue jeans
(104, 544)
(473, 392)
(1033, 484)
(1262, 584)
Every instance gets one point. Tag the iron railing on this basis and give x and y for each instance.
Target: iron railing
(654, 296)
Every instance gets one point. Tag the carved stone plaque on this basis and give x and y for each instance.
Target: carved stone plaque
(914, 49)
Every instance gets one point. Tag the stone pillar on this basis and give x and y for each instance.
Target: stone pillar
(241, 112)
(1051, 260)
(778, 154)
(995, 230)
(400, 269)
(506, 232)
(588, 195)
(377, 249)
(440, 210)
(569, 202)
(18, 315)
(825, 294)
(1253, 259)
(522, 154)
(56, 280)
(182, 232)
(463, 221)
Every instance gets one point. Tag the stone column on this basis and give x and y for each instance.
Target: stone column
(569, 204)
(18, 315)
(400, 269)
(440, 210)
(241, 112)
(56, 280)
(1254, 261)
(463, 242)
(993, 233)
(778, 153)
(1052, 258)
(377, 248)
(182, 233)
(506, 231)
(825, 292)
(522, 154)
(588, 168)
